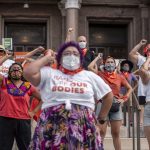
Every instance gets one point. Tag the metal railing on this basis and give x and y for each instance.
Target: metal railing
(132, 108)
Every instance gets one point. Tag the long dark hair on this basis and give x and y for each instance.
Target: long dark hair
(9, 71)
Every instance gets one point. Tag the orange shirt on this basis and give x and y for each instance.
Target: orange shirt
(115, 81)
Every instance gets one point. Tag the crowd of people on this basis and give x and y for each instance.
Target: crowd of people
(72, 94)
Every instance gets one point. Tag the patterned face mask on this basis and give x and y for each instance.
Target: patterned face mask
(17, 73)
(110, 67)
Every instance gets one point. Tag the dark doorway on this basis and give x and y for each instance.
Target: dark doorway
(26, 36)
(109, 39)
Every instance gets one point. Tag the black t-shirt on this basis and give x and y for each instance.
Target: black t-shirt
(88, 58)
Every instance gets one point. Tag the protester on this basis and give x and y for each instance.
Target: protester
(68, 120)
(28, 59)
(82, 41)
(115, 81)
(145, 75)
(138, 60)
(126, 67)
(14, 109)
(88, 55)
(5, 61)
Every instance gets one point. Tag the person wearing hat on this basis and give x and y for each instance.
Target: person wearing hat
(126, 67)
(5, 61)
(138, 60)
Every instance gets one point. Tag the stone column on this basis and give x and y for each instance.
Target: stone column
(1, 29)
(72, 7)
(144, 21)
(61, 6)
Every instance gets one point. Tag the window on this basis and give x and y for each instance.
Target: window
(26, 36)
(109, 39)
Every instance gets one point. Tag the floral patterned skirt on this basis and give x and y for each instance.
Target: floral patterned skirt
(60, 129)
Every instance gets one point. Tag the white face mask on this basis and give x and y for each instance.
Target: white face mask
(71, 62)
(82, 45)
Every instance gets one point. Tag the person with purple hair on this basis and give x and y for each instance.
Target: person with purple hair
(68, 119)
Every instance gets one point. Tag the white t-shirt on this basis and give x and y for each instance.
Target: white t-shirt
(147, 91)
(5, 67)
(82, 88)
(141, 86)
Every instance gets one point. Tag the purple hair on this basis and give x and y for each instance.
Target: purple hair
(64, 46)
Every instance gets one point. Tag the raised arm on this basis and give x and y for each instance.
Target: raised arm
(93, 66)
(32, 71)
(68, 36)
(144, 71)
(133, 55)
(38, 49)
(5, 57)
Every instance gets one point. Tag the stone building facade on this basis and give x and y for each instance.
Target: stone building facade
(112, 27)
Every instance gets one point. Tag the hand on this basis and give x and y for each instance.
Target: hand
(31, 114)
(70, 30)
(41, 49)
(143, 42)
(100, 55)
(50, 54)
(9, 54)
(121, 100)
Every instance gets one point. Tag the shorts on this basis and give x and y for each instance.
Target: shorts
(115, 115)
(147, 114)
(111, 115)
(142, 100)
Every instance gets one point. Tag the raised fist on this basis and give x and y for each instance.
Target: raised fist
(70, 29)
(143, 42)
(41, 49)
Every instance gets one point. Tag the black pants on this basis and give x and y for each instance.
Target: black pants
(142, 100)
(11, 129)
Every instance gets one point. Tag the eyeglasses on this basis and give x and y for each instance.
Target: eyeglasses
(71, 53)
(82, 41)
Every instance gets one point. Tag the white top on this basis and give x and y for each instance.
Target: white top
(147, 91)
(141, 86)
(82, 88)
(5, 67)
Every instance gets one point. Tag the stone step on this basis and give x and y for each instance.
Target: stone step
(124, 132)
(126, 144)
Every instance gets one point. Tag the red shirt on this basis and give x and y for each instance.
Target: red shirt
(34, 104)
(12, 105)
